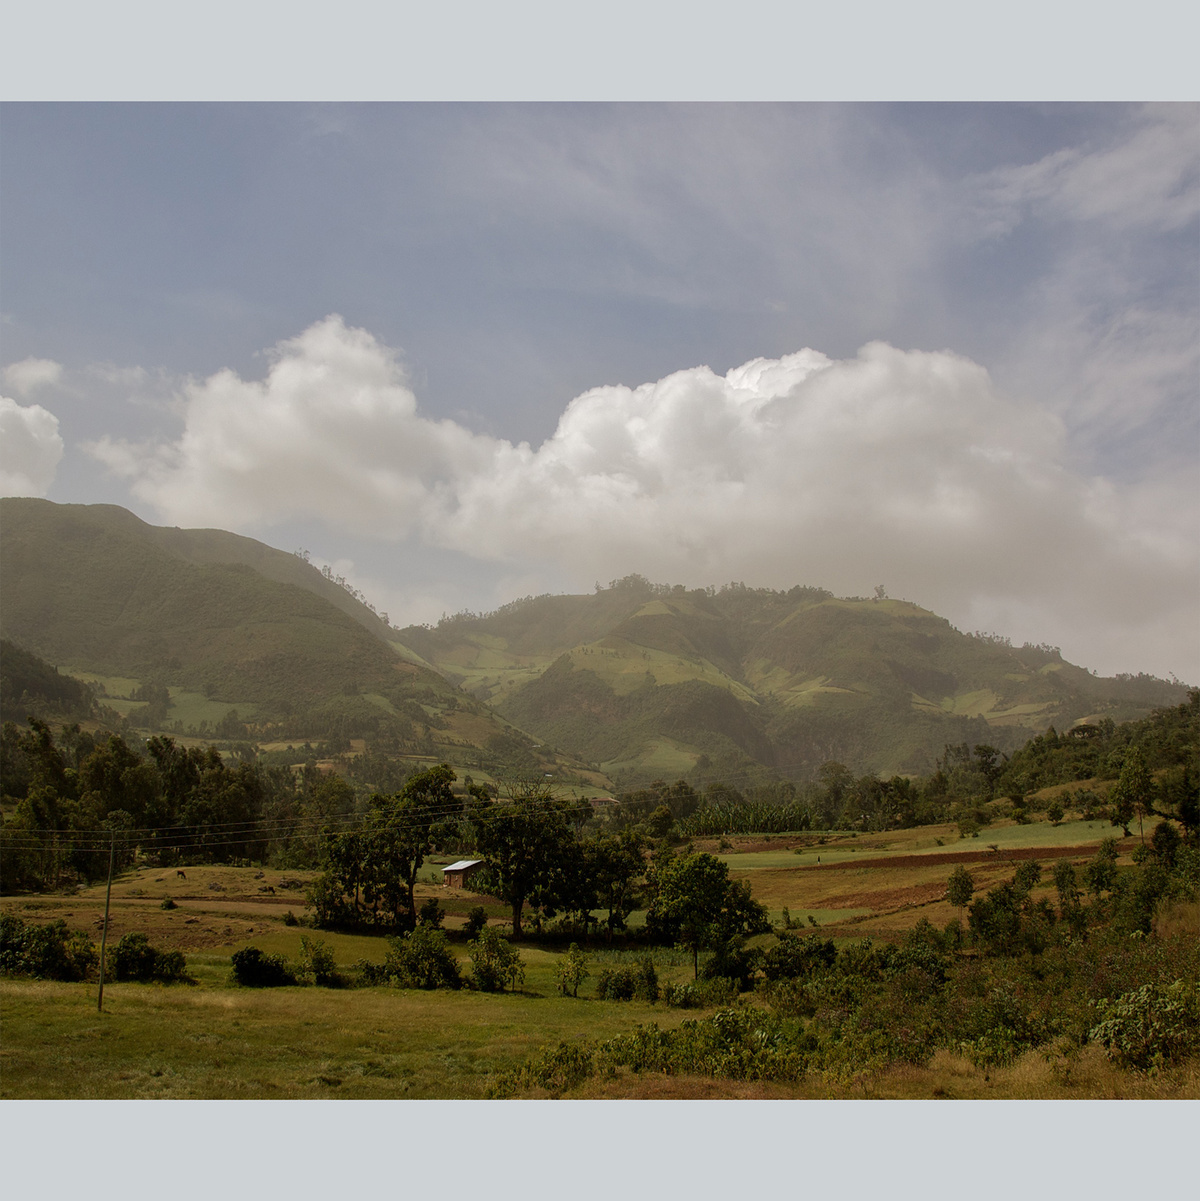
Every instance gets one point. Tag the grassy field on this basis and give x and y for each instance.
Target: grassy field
(215, 1039)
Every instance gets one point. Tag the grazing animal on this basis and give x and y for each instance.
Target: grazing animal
(182, 875)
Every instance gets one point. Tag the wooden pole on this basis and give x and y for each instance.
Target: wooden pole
(112, 854)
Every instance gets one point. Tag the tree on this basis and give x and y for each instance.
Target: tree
(401, 831)
(571, 970)
(697, 905)
(612, 865)
(495, 962)
(530, 848)
(960, 888)
(1132, 793)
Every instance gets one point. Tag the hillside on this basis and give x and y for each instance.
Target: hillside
(652, 680)
(197, 631)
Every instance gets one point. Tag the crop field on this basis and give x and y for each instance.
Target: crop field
(215, 1039)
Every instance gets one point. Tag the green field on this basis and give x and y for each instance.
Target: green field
(217, 1040)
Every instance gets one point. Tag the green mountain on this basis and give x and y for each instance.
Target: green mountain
(202, 631)
(650, 680)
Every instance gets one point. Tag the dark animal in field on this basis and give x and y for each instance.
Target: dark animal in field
(266, 888)
(182, 875)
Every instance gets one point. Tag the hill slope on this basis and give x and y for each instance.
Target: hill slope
(653, 680)
(214, 625)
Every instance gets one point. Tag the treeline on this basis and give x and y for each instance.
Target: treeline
(1158, 757)
(68, 801)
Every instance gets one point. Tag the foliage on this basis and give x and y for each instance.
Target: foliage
(697, 905)
(495, 962)
(422, 959)
(254, 968)
(571, 971)
(133, 958)
(1150, 1026)
(960, 888)
(49, 952)
(639, 982)
(317, 964)
(476, 920)
(531, 850)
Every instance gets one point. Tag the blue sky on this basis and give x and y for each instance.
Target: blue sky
(471, 351)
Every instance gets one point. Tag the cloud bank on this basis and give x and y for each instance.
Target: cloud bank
(906, 468)
(30, 448)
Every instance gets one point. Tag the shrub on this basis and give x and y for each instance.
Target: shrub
(253, 968)
(1151, 1025)
(167, 903)
(794, 958)
(627, 983)
(422, 959)
(290, 919)
(133, 958)
(318, 964)
(732, 961)
(495, 962)
(476, 920)
(431, 913)
(49, 952)
(571, 971)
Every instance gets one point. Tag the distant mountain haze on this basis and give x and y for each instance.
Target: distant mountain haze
(638, 680)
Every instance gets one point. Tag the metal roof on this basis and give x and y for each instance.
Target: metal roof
(461, 865)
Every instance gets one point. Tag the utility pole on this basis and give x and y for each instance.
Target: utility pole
(112, 854)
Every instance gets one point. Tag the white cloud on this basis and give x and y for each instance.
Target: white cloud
(901, 467)
(30, 448)
(1149, 178)
(30, 374)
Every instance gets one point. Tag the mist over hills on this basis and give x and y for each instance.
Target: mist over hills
(639, 680)
(651, 679)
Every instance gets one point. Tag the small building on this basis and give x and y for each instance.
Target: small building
(457, 875)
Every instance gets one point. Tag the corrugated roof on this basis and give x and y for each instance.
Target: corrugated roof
(461, 865)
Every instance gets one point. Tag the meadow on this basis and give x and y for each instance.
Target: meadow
(215, 1039)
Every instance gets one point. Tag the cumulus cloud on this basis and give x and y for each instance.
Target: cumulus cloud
(28, 375)
(30, 448)
(902, 467)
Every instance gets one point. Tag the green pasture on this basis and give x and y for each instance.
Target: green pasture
(216, 1040)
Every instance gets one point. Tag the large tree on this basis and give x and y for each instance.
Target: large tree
(531, 850)
(698, 906)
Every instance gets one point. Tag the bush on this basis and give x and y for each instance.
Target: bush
(571, 971)
(476, 920)
(495, 962)
(49, 952)
(1150, 1026)
(797, 958)
(167, 903)
(422, 959)
(628, 983)
(431, 913)
(133, 958)
(253, 968)
(317, 964)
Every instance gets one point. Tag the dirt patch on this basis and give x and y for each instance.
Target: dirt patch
(934, 858)
(887, 898)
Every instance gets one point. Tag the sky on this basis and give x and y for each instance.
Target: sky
(465, 352)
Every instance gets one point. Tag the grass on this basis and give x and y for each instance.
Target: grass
(218, 1040)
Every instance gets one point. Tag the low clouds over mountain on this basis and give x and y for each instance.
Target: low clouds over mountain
(902, 467)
